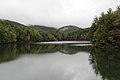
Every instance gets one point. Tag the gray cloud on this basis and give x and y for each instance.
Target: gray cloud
(54, 13)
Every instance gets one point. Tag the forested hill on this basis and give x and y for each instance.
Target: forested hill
(13, 32)
(105, 30)
(42, 27)
(68, 28)
(72, 32)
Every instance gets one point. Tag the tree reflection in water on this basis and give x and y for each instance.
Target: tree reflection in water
(10, 52)
(106, 62)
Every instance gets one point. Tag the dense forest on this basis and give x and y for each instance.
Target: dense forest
(105, 30)
(13, 32)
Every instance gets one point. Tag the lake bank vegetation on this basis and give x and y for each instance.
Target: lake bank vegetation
(13, 32)
(105, 30)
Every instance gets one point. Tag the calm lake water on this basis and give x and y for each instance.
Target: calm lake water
(58, 62)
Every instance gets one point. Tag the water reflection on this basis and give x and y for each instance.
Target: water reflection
(106, 62)
(13, 51)
(58, 62)
(36, 65)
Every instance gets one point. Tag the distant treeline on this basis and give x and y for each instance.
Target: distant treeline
(105, 30)
(13, 32)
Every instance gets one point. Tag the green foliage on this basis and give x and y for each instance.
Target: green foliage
(11, 32)
(80, 34)
(45, 28)
(105, 28)
(74, 33)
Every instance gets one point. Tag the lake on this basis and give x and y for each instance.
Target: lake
(71, 61)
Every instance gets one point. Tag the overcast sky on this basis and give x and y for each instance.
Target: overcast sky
(54, 13)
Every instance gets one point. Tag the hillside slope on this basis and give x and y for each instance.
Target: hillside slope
(45, 28)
